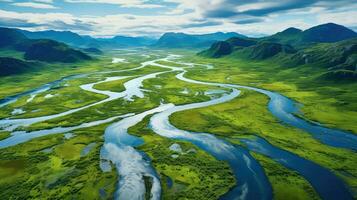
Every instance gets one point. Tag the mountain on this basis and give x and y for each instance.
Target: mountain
(339, 59)
(223, 48)
(327, 33)
(182, 40)
(68, 37)
(39, 49)
(336, 60)
(282, 42)
(133, 41)
(288, 36)
(324, 33)
(52, 51)
(339, 55)
(10, 66)
(264, 50)
(85, 41)
(9, 37)
(92, 50)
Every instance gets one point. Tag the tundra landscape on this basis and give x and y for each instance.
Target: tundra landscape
(233, 112)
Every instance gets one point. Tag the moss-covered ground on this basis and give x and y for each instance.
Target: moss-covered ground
(53, 167)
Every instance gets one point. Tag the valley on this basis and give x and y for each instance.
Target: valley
(174, 125)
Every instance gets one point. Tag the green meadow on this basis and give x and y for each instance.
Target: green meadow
(54, 166)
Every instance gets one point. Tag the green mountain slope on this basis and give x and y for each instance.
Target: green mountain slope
(92, 50)
(10, 66)
(52, 51)
(10, 37)
(340, 58)
(324, 33)
(42, 50)
(315, 47)
(264, 50)
(222, 48)
(288, 36)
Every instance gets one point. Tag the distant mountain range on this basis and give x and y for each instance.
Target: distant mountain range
(66, 37)
(84, 41)
(182, 40)
(328, 33)
(329, 45)
(33, 50)
(39, 49)
(167, 40)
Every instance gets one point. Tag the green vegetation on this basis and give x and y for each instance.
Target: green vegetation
(52, 51)
(325, 101)
(329, 47)
(52, 167)
(14, 47)
(286, 184)
(194, 173)
(10, 66)
(324, 33)
(248, 115)
(4, 134)
(182, 40)
(66, 96)
(114, 86)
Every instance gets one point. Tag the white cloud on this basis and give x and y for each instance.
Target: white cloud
(38, 18)
(35, 5)
(187, 16)
(44, 1)
(346, 17)
(122, 3)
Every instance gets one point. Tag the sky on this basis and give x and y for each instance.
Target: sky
(107, 18)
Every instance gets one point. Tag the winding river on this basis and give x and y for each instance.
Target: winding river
(134, 166)
(327, 185)
(285, 109)
(251, 179)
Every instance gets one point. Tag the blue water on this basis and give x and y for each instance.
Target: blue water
(252, 182)
(131, 164)
(43, 88)
(285, 109)
(326, 184)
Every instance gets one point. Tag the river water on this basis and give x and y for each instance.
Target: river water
(133, 165)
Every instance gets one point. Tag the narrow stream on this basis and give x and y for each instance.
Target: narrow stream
(19, 137)
(11, 99)
(132, 89)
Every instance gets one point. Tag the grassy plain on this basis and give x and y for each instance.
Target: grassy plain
(52, 166)
(194, 173)
(332, 103)
(248, 115)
